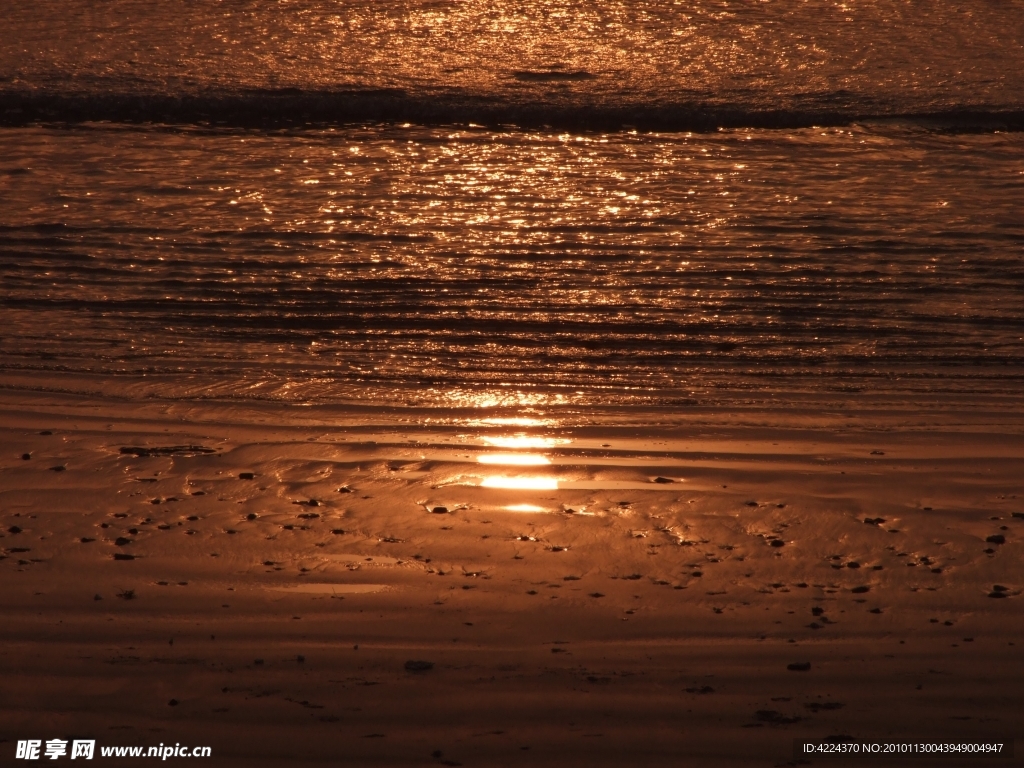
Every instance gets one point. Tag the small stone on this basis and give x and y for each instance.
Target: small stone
(172, 703)
(120, 541)
(58, 468)
(14, 529)
(663, 480)
(776, 543)
(799, 666)
(996, 538)
(26, 456)
(246, 475)
(440, 510)
(418, 666)
(123, 556)
(860, 590)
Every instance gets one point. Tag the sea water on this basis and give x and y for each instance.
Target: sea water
(521, 204)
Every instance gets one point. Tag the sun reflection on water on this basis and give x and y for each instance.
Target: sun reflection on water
(523, 441)
(521, 421)
(520, 483)
(524, 508)
(519, 459)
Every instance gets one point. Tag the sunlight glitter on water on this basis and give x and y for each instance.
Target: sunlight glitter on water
(524, 508)
(520, 483)
(519, 459)
(524, 441)
(521, 421)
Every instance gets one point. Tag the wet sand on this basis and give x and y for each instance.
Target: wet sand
(258, 578)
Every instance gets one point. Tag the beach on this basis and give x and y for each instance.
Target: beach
(499, 383)
(701, 590)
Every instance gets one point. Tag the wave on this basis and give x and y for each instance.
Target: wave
(286, 108)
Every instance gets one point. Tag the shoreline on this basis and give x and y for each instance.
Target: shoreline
(567, 619)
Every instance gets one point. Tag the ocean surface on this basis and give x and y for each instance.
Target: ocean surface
(532, 204)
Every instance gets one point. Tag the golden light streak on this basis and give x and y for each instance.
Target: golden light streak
(517, 459)
(523, 441)
(521, 483)
(524, 508)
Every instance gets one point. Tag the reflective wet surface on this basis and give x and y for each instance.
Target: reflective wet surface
(479, 269)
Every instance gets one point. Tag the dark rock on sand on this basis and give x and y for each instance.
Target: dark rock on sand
(799, 666)
(26, 456)
(418, 666)
(246, 475)
(14, 529)
(996, 538)
(663, 480)
(776, 543)
(772, 717)
(860, 590)
(123, 556)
